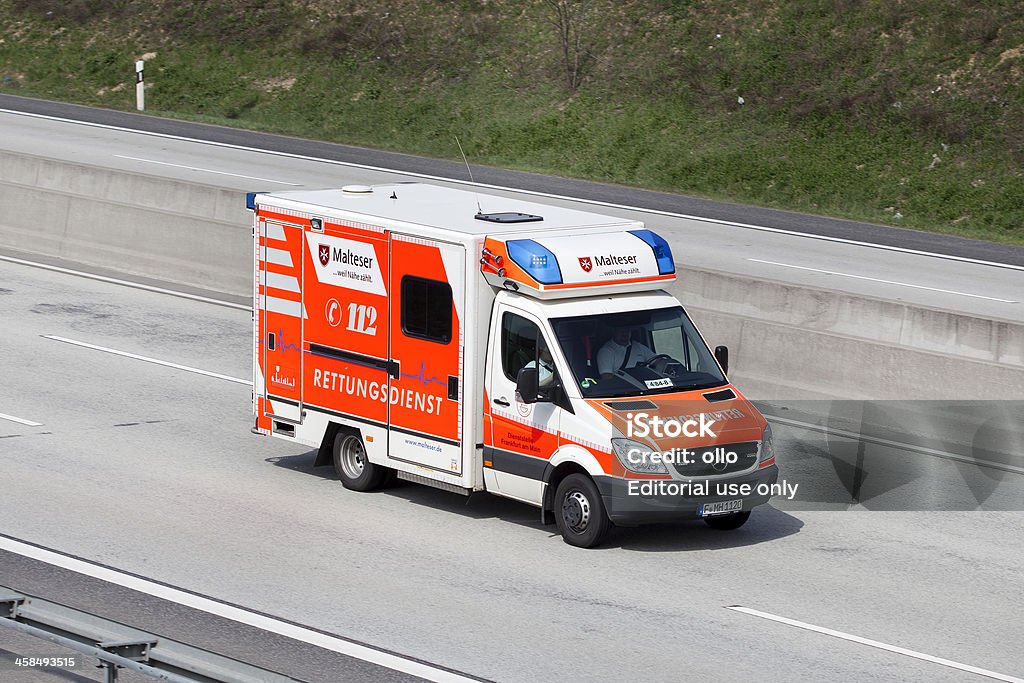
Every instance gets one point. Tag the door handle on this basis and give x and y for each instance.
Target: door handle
(501, 402)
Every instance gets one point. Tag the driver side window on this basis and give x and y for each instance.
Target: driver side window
(518, 344)
(523, 346)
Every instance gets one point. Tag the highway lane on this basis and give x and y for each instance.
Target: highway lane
(152, 470)
(802, 223)
(977, 289)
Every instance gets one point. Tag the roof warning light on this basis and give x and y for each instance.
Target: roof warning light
(536, 260)
(662, 252)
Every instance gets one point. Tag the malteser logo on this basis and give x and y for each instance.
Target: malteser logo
(347, 263)
(586, 264)
(347, 257)
(614, 260)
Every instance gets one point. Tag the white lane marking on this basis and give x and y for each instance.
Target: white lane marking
(888, 282)
(126, 283)
(877, 644)
(206, 170)
(21, 421)
(897, 444)
(594, 202)
(148, 359)
(238, 614)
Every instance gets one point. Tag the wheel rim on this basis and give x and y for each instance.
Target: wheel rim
(576, 511)
(353, 457)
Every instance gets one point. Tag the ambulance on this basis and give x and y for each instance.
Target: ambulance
(473, 342)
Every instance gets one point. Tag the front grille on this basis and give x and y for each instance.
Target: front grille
(747, 457)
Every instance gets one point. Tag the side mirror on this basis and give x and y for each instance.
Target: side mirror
(722, 356)
(526, 385)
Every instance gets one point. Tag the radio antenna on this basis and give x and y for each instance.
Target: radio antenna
(470, 171)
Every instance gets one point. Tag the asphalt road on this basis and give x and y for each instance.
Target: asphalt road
(804, 253)
(151, 469)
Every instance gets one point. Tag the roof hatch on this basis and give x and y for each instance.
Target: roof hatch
(508, 217)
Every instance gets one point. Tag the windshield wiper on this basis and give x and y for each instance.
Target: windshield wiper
(621, 394)
(696, 385)
(666, 390)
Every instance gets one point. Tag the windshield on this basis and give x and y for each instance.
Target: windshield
(636, 353)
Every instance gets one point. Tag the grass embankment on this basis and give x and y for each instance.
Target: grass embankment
(908, 112)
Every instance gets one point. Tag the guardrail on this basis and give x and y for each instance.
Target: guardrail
(117, 646)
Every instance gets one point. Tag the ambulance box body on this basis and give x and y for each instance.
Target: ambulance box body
(479, 343)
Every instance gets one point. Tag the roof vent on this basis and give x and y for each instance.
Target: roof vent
(357, 189)
(622, 406)
(508, 217)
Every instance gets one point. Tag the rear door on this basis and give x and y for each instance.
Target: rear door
(427, 319)
(280, 319)
(346, 334)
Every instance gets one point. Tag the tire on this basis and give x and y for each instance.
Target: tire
(579, 512)
(355, 471)
(728, 522)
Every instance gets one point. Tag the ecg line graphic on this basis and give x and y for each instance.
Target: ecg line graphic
(281, 345)
(422, 376)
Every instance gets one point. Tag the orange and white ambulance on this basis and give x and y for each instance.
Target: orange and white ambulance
(473, 342)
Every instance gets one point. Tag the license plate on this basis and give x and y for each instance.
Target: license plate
(721, 508)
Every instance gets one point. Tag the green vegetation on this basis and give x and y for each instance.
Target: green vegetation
(908, 112)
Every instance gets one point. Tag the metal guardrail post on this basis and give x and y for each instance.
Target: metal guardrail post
(9, 604)
(137, 651)
(108, 659)
(124, 647)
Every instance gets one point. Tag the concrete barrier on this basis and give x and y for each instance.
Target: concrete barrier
(138, 224)
(791, 342)
(786, 342)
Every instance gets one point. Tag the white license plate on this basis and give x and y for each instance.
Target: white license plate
(721, 508)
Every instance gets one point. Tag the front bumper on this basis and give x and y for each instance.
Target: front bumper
(630, 506)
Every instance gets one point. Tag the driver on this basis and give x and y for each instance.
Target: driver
(619, 353)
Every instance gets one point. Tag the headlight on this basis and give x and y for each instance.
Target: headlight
(767, 445)
(636, 457)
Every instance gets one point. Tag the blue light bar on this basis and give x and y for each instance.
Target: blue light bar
(535, 260)
(662, 252)
(250, 200)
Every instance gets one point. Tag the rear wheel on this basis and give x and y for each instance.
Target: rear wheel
(354, 469)
(728, 522)
(579, 512)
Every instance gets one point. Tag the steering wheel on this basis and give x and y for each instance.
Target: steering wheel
(661, 356)
(665, 363)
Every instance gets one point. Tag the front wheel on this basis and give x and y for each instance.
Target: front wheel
(354, 469)
(579, 512)
(728, 522)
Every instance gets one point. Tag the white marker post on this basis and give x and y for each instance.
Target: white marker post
(140, 86)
